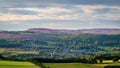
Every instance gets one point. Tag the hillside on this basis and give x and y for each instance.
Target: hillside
(53, 43)
(79, 31)
(33, 33)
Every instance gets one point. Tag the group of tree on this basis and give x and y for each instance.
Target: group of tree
(99, 58)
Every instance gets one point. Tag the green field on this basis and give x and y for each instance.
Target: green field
(81, 65)
(16, 64)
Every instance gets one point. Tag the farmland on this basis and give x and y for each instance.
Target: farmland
(81, 65)
(17, 64)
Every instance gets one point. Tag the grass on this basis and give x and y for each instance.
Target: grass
(67, 65)
(105, 48)
(81, 65)
(16, 64)
(13, 51)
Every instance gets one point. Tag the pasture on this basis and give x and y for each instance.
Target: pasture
(17, 64)
(81, 65)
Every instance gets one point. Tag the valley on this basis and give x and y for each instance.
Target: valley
(57, 44)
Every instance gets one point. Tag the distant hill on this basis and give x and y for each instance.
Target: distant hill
(79, 31)
(28, 34)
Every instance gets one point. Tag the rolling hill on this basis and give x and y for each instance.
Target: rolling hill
(79, 31)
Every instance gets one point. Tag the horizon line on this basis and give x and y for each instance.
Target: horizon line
(58, 29)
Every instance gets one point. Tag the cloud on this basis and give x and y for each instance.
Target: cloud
(8, 17)
(40, 13)
(57, 24)
(79, 12)
(48, 10)
(59, 14)
(45, 3)
(15, 23)
(51, 25)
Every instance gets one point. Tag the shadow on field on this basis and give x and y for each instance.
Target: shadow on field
(111, 66)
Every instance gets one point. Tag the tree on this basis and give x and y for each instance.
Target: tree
(115, 59)
(96, 43)
(91, 60)
(1, 57)
(100, 60)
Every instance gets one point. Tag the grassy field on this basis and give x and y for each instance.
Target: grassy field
(16, 64)
(80, 65)
(13, 51)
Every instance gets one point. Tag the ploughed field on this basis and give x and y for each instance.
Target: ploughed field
(17, 64)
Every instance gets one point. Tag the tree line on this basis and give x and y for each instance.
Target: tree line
(88, 59)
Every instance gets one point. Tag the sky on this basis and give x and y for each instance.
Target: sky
(59, 14)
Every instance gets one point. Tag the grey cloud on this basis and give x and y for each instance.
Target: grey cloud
(45, 3)
(22, 12)
(107, 10)
(63, 24)
(102, 21)
(4, 10)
